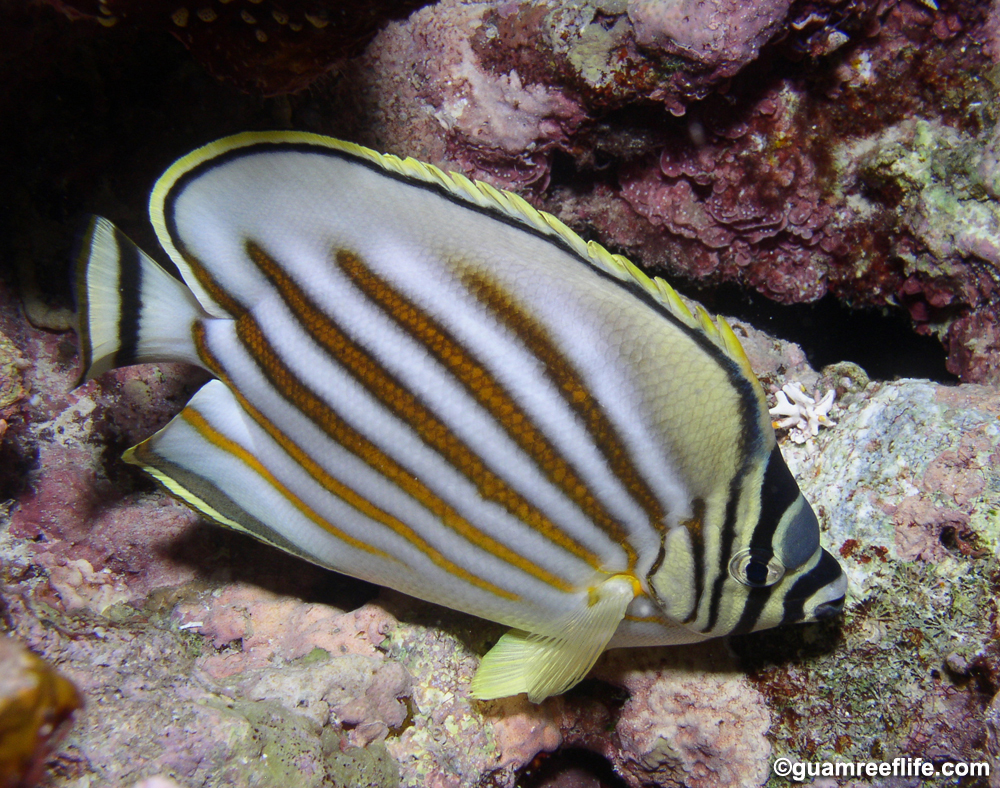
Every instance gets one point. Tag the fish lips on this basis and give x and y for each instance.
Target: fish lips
(825, 585)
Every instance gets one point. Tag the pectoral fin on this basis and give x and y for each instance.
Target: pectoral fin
(543, 665)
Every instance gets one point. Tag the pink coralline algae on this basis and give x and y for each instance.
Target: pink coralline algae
(741, 202)
(795, 148)
(199, 652)
(714, 141)
(448, 107)
(722, 36)
(692, 719)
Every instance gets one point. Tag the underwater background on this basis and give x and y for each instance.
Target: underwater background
(827, 173)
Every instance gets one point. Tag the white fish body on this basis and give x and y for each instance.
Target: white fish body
(426, 383)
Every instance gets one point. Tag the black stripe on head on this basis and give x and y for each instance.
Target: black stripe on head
(826, 571)
(725, 551)
(130, 300)
(756, 600)
(695, 529)
(781, 500)
(778, 492)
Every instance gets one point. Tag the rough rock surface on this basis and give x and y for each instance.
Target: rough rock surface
(840, 147)
(782, 171)
(200, 653)
(799, 149)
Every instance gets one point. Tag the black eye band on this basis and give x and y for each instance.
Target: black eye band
(781, 502)
(777, 494)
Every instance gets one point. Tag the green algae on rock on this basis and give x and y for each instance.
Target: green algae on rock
(910, 484)
(11, 385)
(940, 185)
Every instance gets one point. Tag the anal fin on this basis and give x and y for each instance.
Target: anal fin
(206, 457)
(544, 665)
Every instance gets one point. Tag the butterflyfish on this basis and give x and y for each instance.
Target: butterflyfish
(422, 381)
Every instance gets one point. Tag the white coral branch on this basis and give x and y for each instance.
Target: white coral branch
(802, 414)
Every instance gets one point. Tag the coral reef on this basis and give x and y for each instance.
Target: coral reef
(847, 148)
(692, 719)
(798, 149)
(199, 651)
(770, 174)
(939, 183)
(911, 492)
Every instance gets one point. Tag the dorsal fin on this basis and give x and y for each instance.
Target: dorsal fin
(481, 194)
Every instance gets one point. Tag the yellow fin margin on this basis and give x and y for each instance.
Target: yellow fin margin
(476, 192)
(544, 665)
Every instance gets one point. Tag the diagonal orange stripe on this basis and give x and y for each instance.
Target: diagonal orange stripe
(337, 488)
(571, 387)
(347, 494)
(201, 425)
(488, 392)
(404, 404)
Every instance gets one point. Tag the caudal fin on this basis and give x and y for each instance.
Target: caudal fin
(129, 310)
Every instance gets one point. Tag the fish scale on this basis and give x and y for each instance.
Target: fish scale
(424, 382)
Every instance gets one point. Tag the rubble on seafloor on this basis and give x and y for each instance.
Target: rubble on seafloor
(207, 659)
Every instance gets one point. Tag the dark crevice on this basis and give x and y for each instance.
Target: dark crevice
(880, 341)
(570, 766)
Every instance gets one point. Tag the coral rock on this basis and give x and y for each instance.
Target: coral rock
(36, 705)
(723, 35)
(692, 719)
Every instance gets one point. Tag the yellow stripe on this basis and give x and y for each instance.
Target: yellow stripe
(317, 411)
(220, 441)
(367, 371)
(492, 396)
(337, 488)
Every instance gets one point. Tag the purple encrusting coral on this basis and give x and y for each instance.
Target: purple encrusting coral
(746, 205)
(756, 181)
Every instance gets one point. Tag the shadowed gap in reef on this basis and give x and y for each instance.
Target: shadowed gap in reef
(880, 341)
(570, 767)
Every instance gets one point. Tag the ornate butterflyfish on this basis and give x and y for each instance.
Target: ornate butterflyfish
(424, 382)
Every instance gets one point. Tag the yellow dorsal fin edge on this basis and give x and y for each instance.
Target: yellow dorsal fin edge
(477, 193)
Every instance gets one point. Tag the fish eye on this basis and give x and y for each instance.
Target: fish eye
(756, 568)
